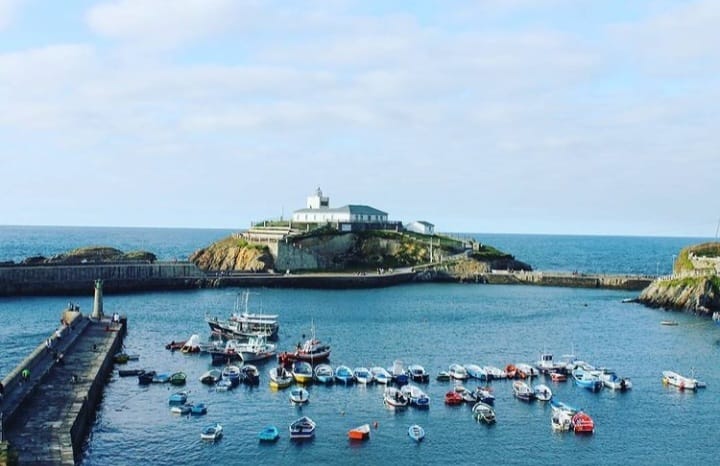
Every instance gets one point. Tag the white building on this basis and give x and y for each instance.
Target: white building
(421, 226)
(319, 211)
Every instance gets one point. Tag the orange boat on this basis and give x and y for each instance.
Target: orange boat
(582, 423)
(360, 433)
(558, 377)
(453, 398)
(511, 371)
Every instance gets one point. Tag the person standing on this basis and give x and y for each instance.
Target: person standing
(25, 374)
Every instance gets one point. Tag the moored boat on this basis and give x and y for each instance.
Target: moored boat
(181, 409)
(417, 373)
(250, 374)
(485, 395)
(280, 377)
(146, 378)
(417, 397)
(299, 395)
(256, 349)
(381, 375)
(344, 375)
(360, 432)
(178, 398)
(542, 392)
(443, 376)
(560, 420)
(679, 381)
(130, 372)
(311, 350)
(560, 406)
(394, 398)
(269, 434)
(160, 378)
(587, 379)
(476, 372)
(526, 371)
(211, 432)
(522, 391)
(245, 324)
(302, 372)
(302, 428)
(511, 371)
(362, 375)
(495, 373)
(198, 409)
(458, 371)
(178, 378)
(558, 377)
(192, 345)
(324, 373)
(453, 398)
(416, 432)
(582, 423)
(547, 365)
(483, 413)
(211, 377)
(232, 373)
(612, 381)
(399, 374)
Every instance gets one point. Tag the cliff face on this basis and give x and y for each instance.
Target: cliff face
(233, 254)
(699, 294)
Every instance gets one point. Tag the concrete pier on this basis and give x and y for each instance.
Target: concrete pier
(46, 416)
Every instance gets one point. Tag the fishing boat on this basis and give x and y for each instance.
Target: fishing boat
(476, 372)
(587, 380)
(468, 396)
(453, 398)
(178, 378)
(582, 423)
(344, 375)
(198, 409)
(302, 372)
(299, 395)
(324, 373)
(211, 432)
(417, 397)
(362, 375)
(612, 381)
(381, 375)
(280, 377)
(232, 373)
(522, 391)
(417, 373)
(211, 377)
(255, 349)
(146, 378)
(303, 428)
(416, 432)
(547, 365)
(360, 432)
(191, 345)
(542, 392)
(226, 354)
(178, 398)
(483, 413)
(182, 409)
(679, 381)
(394, 398)
(399, 374)
(250, 374)
(269, 434)
(245, 324)
(311, 350)
(560, 420)
(485, 395)
(669, 323)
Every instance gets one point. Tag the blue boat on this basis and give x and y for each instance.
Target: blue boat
(587, 380)
(344, 374)
(302, 429)
(416, 432)
(161, 378)
(178, 398)
(269, 434)
(198, 409)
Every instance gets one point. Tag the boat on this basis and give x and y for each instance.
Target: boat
(324, 373)
(458, 372)
(560, 406)
(476, 372)
(526, 371)
(161, 378)
(716, 317)
(612, 381)
(250, 374)
(670, 323)
(344, 375)
(198, 409)
(483, 413)
(399, 375)
(522, 391)
(360, 432)
(417, 397)
(232, 373)
(192, 345)
(311, 350)
(679, 381)
(178, 398)
(511, 371)
(381, 375)
(416, 432)
(394, 398)
(146, 378)
(280, 377)
(453, 398)
(468, 396)
(546, 364)
(226, 354)
(122, 357)
(178, 378)
(443, 376)
(245, 324)
(558, 377)
(299, 395)
(255, 349)
(269, 434)
(495, 373)
(485, 395)
(302, 372)
(174, 345)
(587, 379)
(561, 420)
(303, 428)
(417, 373)
(211, 377)
(182, 409)
(582, 423)
(542, 392)
(362, 375)
(223, 385)
(211, 432)
(130, 372)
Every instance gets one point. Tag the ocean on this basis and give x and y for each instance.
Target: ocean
(434, 325)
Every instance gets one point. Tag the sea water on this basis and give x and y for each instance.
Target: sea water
(434, 325)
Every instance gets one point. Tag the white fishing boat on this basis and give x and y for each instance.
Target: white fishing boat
(476, 372)
(542, 392)
(256, 349)
(495, 373)
(417, 373)
(458, 372)
(483, 413)
(561, 420)
(679, 381)
(245, 324)
(612, 381)
(522, 391)
(394, 398)
(381, 375)
(211, 432)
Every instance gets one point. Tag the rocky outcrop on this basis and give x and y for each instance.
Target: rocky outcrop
(92, 255)
(692, 294)
(233, 254)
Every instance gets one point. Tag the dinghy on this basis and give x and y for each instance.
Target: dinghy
(416, 432)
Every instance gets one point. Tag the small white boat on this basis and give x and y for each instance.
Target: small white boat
(679, 381)
(256, 348)
(394, 398)
(560, 406)
(232, 373)
(324, 373)
(542, 392)
(303, 428)
(381, 375)
(458, 372)
(398, 372)
(612, 381)
(299, 395)
(483, 413)
(418, 373)
(416, 432)
(362, 375)
(561, 420)
(522, 391)
(211, 377)
(476, 372)
(280, 377)
(211, 432)
(495, 373)
(417, 397)
(526, 371)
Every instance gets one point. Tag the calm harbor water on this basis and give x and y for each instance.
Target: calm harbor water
(433, 325)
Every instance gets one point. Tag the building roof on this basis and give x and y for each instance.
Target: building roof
(350, 208)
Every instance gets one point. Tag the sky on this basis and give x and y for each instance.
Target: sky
(499, 116)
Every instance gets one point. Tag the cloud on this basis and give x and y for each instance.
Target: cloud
(7, 11)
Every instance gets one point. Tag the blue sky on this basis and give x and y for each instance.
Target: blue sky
(505, 116)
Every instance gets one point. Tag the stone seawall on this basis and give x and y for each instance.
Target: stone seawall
(617, 282)
(74, 279)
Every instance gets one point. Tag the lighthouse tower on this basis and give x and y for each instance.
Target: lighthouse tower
(97, 312)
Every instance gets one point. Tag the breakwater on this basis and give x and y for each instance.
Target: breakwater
(575, 280)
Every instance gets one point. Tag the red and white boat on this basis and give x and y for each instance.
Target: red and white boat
(582, 423)
(453, 398)
(558, 377)
(360, 433)
(677, 380)
(312, 351)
